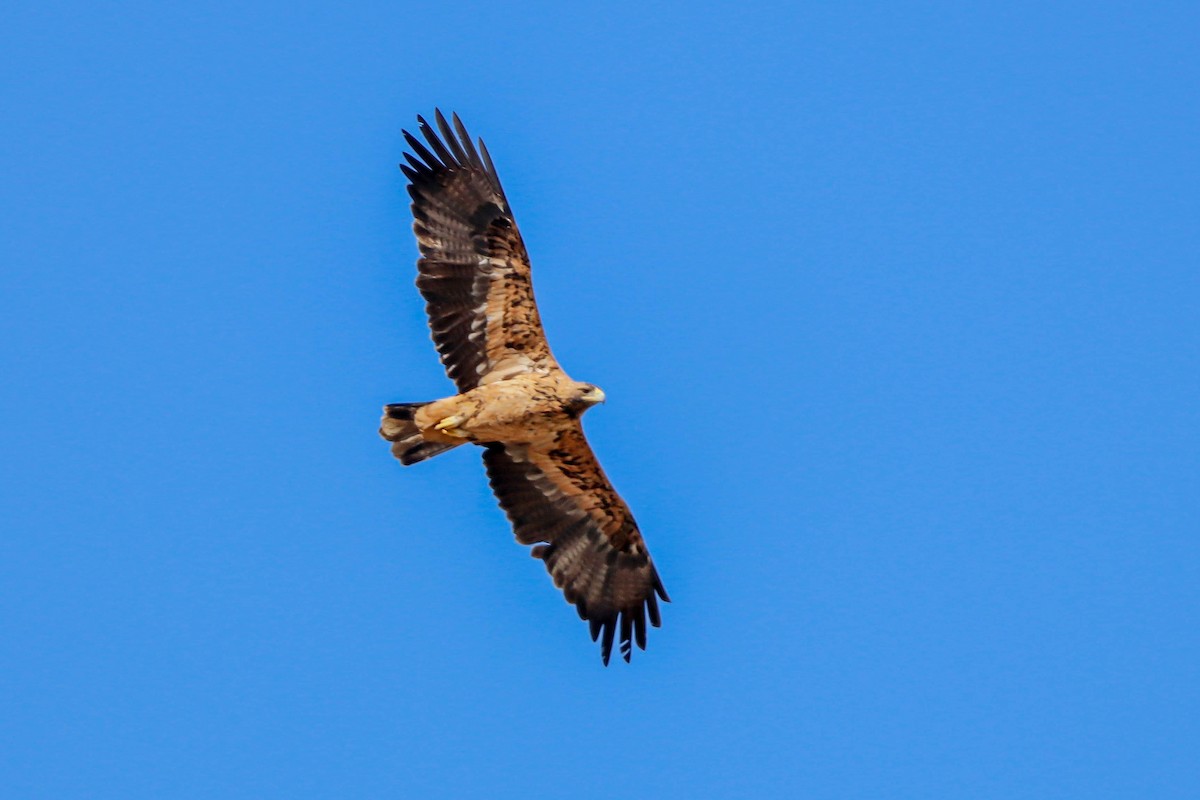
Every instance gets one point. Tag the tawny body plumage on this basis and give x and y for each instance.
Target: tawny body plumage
(522, 410)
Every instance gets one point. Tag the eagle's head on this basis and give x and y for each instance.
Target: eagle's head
(584, 396)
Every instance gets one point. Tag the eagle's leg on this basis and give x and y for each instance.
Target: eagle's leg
(449, 426)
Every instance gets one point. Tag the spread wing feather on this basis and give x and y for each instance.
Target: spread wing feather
(473, 271)
(559, 499)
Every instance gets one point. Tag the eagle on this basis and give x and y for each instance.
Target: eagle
(513, 399)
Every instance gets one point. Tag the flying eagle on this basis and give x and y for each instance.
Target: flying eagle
(514, 399)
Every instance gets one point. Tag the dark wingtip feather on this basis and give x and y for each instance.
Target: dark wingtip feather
(435, 142)
(487, 161)
(466, 138)
(416, 163)
(449, 138)
(610, 629)
(658, 587)
(652, 609)
(431, 161)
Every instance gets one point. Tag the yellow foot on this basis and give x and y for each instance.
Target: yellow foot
(449, 426)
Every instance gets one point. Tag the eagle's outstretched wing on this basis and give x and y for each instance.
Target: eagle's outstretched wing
(591, 545)
(473, 270)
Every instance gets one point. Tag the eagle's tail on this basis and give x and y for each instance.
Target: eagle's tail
(408, 445)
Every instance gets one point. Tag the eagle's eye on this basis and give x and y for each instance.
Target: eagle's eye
(593, 394)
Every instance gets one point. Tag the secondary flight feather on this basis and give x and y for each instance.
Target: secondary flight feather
(514, 400)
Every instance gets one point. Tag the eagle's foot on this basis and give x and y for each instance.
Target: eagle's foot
(449, 426)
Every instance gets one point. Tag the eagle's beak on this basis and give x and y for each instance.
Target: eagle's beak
(596, 395)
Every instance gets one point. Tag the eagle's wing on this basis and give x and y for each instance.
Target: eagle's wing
(593, 549)
(473, 270)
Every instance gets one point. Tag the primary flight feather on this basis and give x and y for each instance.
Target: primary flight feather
(514, 399)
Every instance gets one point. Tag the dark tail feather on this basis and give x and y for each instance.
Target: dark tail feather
(408, 445)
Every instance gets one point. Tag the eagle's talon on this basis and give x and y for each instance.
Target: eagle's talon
(449, 426)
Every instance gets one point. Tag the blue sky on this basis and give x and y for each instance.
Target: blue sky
(895, 306)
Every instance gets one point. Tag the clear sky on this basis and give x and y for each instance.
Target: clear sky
(896, 306)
